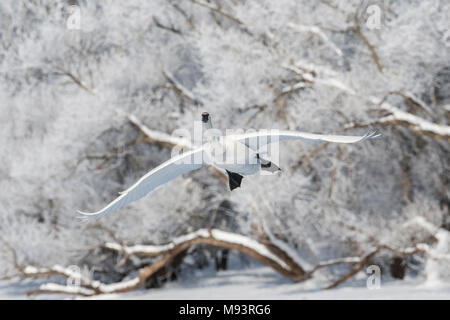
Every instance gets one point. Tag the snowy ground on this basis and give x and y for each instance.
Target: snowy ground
(255, 283)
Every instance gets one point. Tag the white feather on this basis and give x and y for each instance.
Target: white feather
(154, 179)
(256, 140)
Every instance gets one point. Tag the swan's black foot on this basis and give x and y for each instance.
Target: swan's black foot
(270, 166)
(234, 180)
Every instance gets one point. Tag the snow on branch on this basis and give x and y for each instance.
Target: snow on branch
(419, 103)
(315, 30)
(158, 137)
(59, 288)
(180, 88)
(85, 286)
(361, 262)
(319, 75)
(413, 122)
(223, 239)
(272, 240)
(434, 254)
(214, 237)
(269, 251)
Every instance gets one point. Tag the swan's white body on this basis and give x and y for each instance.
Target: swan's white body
(238, 154)
(231, 155)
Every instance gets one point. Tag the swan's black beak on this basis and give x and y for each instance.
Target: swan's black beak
(205, 117)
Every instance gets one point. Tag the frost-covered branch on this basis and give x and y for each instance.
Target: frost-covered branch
(269, 251)
(312, 74)
(365, 260)
(158, 137)
(356, 29)
(263, 252)
(315, 30)
(85, 286)
(434, 254)
(266, 253)
(408, 97)
(293, 258)
(412, 122)
(180, 88)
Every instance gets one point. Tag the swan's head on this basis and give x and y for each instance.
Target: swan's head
(205, 117)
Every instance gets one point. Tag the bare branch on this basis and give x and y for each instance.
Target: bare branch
(304, 160)
(182, 90)
(329, 263)
(16, 264)
(218, 10)
(184, 14)
(76, 80)
(362, 263)
(162, 26)
(357, 30)
(376, 59)
(334, 172)
(116, 151)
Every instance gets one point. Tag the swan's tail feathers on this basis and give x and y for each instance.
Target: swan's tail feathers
(267, 165)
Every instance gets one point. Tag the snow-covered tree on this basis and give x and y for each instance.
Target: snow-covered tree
(90, 91)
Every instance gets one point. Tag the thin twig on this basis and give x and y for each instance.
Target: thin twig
(334, 172)
(164, 27)
(304, 160)
(75, 79)
(218, 10)
(364, 261)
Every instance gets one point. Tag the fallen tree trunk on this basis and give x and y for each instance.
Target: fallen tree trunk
(266, 253)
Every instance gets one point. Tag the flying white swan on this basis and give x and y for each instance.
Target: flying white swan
(238, 154)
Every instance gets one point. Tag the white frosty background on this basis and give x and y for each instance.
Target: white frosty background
(65, 96)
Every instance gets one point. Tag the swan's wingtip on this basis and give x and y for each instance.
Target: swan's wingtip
(87, 216)
(373, 135)
(85, 213)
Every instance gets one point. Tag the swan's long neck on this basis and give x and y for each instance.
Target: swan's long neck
(207, 127)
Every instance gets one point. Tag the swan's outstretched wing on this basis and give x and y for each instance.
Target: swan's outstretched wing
(165, 172)
(256, 140)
